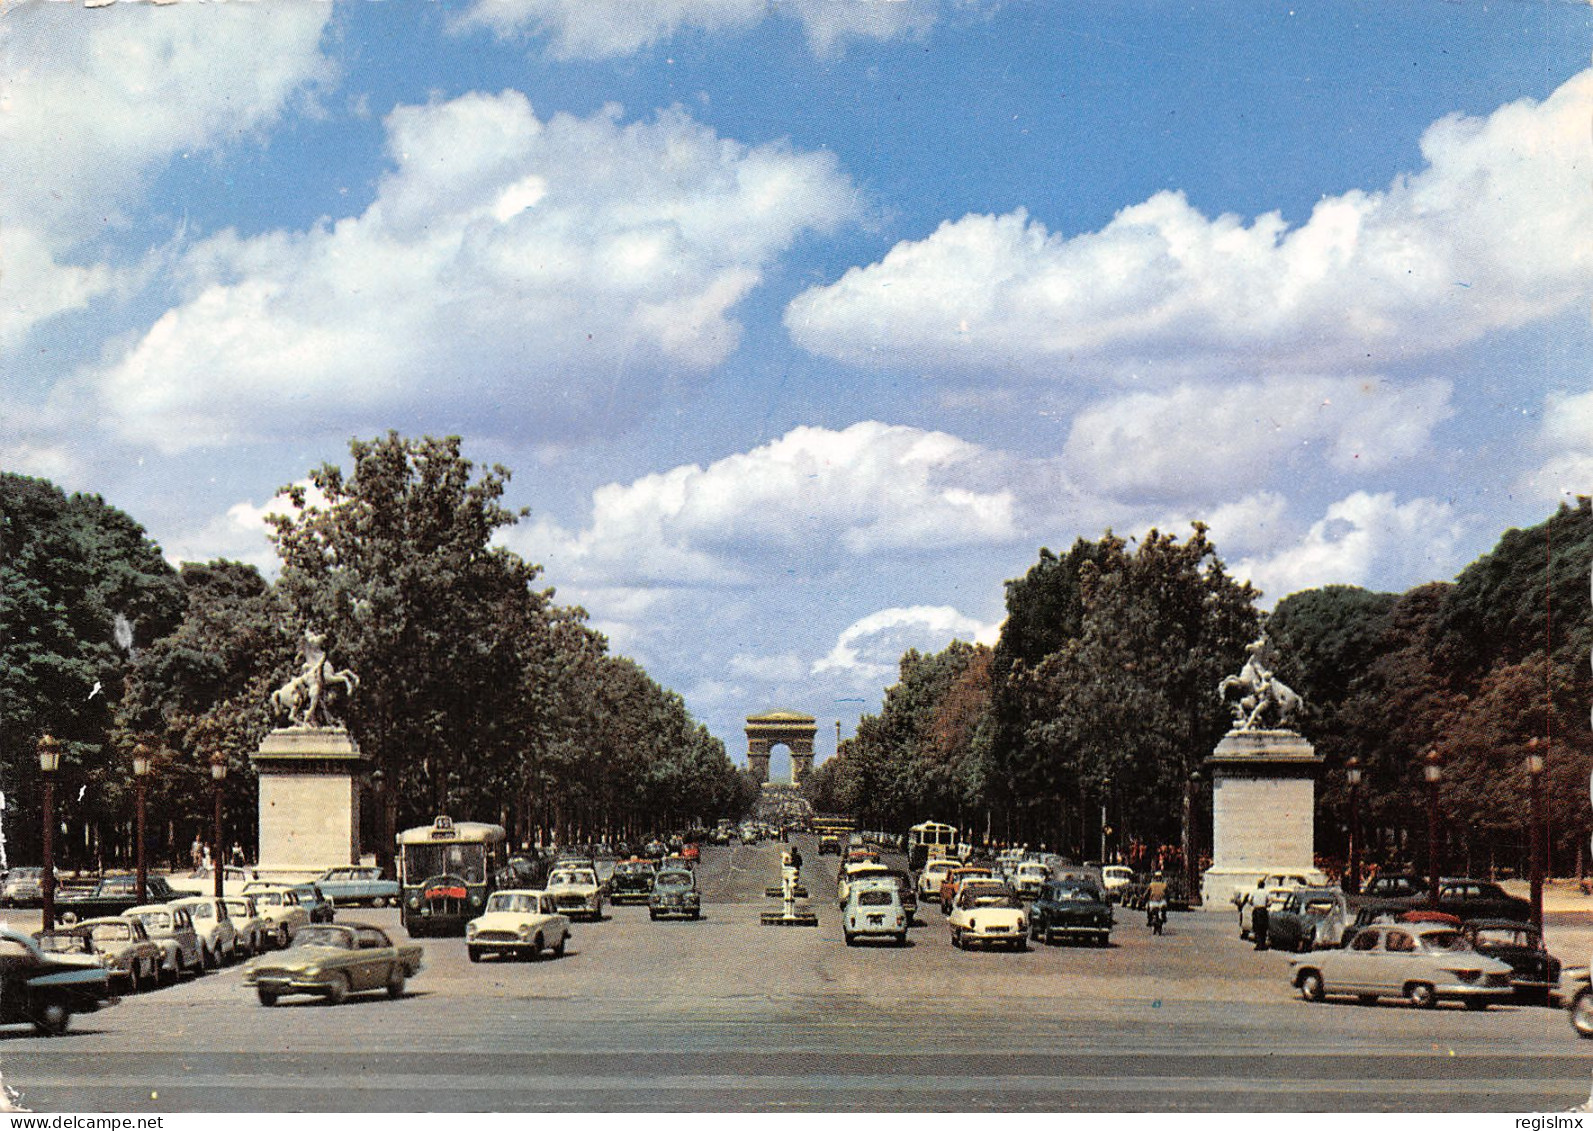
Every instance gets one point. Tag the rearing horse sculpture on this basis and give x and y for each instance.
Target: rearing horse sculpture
(304, 697)
(1261, 693)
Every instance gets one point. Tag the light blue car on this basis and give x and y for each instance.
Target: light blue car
(357, 884)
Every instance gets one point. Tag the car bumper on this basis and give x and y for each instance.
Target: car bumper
(1459, 991)
(676, 911)
(987, 936)
(283, 984)
(1064, 930)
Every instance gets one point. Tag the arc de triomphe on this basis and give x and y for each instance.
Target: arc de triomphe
(777, 728)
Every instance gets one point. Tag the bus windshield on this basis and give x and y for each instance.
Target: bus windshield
(468, 861)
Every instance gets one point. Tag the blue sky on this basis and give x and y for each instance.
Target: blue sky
(804, 324)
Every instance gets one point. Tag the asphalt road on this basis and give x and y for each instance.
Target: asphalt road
(724, 1014)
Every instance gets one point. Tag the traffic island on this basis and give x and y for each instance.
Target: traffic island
(803, 916)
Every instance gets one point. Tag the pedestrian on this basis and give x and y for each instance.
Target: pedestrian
(796, 859)
(196, 854)
(237, 855)
(207, 857)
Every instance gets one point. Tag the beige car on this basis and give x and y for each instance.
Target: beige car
(851, 873)
(279, 907)
(933, 875)
(988, 915)
(519, 924)
(252, 929)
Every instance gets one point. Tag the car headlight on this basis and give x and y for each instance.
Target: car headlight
(414, 901)
(524, 931)
(470, 930)
(312, 971)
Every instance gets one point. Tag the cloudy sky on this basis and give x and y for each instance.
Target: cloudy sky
(804, 324)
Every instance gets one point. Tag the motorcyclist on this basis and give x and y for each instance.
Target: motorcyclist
(1156, 903)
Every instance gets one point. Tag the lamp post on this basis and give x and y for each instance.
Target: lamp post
(1433, 771)
(384, 843)
(1535, 761)
(141, 763)
(49, 762)
(218, 775)
(1106, 789)
(1352, 774)
(1190, 871)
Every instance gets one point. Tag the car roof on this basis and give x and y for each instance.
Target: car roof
(1499, 924)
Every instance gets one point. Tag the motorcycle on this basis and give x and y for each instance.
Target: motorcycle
(1156, 917)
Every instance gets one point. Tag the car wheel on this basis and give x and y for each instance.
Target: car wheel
(135, 983)
(695, 915)
(1366, 999)
(474, 952)
(395, 982)
(1103, 939)
(653, 915)
(536, 949)
(282, 937)
(1477, 1004)
(168, 975)
(209, 959)
(1421, 995)
(52, 1019)
(1311, 987)
(267, 997)
(901, 939)
(558, 947)
(851, 939)
(956, 940)
(336, 990)
(1021, 945)
(1582, 1014)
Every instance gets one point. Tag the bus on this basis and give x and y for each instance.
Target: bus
(446, 870)
(930, 841)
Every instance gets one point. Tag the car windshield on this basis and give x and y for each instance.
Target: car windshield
(324, 935)
(1320, 907)
(573, 876)
(991, 899)
(201, 910)
(508, 901)
(1505, 936)
(1074, 895)
(111, 932)
(423, 861)
(1445, 941)
(157, 920)
(673, 880)
(64, 944)
(874, 897)
(268, 898)
(237, 909)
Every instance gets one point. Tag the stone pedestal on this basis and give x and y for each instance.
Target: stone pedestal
(1263, 803)
(310, 782)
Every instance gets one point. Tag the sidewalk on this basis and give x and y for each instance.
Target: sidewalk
(1559, 895)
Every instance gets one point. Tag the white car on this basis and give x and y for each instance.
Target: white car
(280, 908)
(217, 936)
(1425, 963)
(863, 869)
(519, 923)
(1028, 878)
(251, 928)
(933, 875)
(202, 881)
(873, 909)
(1114, 878)
(575, 891)
(1272, 891)
(989, 916)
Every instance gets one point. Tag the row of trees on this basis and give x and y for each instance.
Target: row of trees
(479, 695)
(1098, 704)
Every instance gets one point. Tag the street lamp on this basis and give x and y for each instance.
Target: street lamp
(1433, 771)
(384, 842)
(1106, 789)
(141, 764)
(1352, 774)
(49, 762)
(218, 775)
(1191, 872)
(1535, 761)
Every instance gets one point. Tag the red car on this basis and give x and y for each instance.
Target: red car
(690, 852)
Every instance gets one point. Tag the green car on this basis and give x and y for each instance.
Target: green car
(675, 894)
(632, 882)
(1071, 909)
(333, 960)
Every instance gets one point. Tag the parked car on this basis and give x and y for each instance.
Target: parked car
(217, 935)
(520, 924)
(1272, 892)
(576, 891)
(333, 960)
(1534, 972)
(250, 926)
(173, 930)
(112, 895)
(1460, 896)
(357, 884)
(119, 945)
(1069, 909)
(279, 907)
(675, 895)
(988, 915)
(45, 991)
(1425, 963)
(23, 887)
(873, 909)
(1309, 918)
(632, 881)
(315, 902)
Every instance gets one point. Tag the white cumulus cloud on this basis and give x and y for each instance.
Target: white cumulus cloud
(605, 29)
(1193, 439)
(868, 650)
(92, 104)
(1363, 538)
(1491, 233)
(513, 276)
(810, 496)
(1566, 438)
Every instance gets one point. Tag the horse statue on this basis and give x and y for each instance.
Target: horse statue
(303, 699)
(1256, 696)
